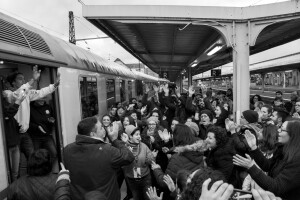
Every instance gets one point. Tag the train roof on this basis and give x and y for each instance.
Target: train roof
(21, 42)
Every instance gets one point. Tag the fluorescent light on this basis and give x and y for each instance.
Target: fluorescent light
(214, 50)
(1, 62)
(194, 65)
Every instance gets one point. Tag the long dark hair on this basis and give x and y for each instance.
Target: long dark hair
(292, 148)
(183, 135)
(220, 135)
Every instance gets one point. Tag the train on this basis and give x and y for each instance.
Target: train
(89, 84)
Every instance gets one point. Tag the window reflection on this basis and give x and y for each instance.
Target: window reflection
(89, 96)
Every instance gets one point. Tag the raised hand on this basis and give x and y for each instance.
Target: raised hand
(191, 91)
(243, 162)
(20, 97)
(113, 133)
(147, 88)
(36, 73)
(169, 182)
(154, 165)
(296, 115)
(154, 153)
(124, 137)
(57, 81)
(165, 149)
(143, 109)
(251, 140)
(152, 194)
(218, 191)
(155, 88)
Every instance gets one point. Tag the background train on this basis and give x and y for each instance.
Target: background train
(89, 83)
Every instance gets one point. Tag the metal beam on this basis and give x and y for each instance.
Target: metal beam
(164, 53)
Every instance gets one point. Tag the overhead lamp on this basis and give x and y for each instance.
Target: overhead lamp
(194, 65)
(1, 62)
(214, 50)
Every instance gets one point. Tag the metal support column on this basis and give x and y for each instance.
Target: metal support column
(241, 75)
(284, 78)
(263, 75)
(190, 77)
(181, 83)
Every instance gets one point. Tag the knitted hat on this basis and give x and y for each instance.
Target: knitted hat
(130, 129)
(193, 126)
(152, 119)
(208, 113)
(250, 116)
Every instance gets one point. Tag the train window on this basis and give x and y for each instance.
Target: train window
(129, 89)
(122, 90)
(139, 87)
(110, 92)
(89, 96)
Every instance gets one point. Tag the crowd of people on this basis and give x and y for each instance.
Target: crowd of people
(174, 146)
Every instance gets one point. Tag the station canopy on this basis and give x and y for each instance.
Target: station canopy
(171, 38)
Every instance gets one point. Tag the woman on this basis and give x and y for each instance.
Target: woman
(120, 113)
(187, 160)
(40, 182)
(221, 115)
(253, 100)
(283, 177)
(220, 153)
(137, 173)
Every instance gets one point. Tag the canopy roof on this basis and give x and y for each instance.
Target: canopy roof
(169, 38)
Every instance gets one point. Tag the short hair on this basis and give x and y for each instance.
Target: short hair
(39, 163)
(181, 179)
(220, 135)
(278, 92)
(269, 108)
(183, 135)
(87, 125)
(282, 113)
(193, 189)
(12, 77)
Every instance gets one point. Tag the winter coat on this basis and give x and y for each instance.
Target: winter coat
(283, 177)
(93, 164)
(62, 190)
(220, 158)
(203, 131)
(32, 188)
(190, 160)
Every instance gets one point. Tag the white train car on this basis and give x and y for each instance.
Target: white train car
(89, 83)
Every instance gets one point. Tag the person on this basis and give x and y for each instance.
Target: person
(138, 172)
(92, 162)
(283, 177)
(40, 182)
(205, 122)
(41, 126)
(221, 115)
(197, 179)
(12, 134)
(220, 153)
(188, 160)
(253, 100)
(279, 116)
(17, 81)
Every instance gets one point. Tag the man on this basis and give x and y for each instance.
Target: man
(278, 94)
(93, 163)
(17, 81)
(279, 116)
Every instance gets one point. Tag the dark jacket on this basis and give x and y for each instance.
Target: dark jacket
(32, 188)
(93, 165)
(62, 190)
(220, 158)
(203, 131)
(10, 123)
(190, 161)
(39, 116)
(283, 177)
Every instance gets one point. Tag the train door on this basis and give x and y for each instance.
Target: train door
(111, 93)
(48, 75)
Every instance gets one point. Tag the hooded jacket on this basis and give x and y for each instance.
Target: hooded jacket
(189, 160)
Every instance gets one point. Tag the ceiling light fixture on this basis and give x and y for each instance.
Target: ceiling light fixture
(194, 65)
(214, 50)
